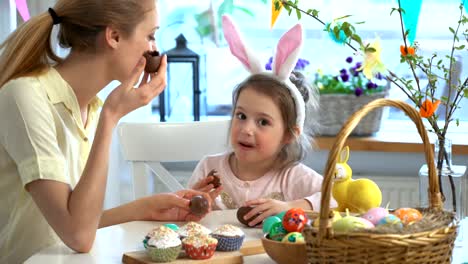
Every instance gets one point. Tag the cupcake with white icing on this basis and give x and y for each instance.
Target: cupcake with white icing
(199, 246)
(162, 244)
(192, 228)
(230, 237)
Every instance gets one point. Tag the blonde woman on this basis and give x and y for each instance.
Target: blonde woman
(54, 146)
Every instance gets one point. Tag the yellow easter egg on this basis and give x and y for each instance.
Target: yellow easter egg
(336, 216)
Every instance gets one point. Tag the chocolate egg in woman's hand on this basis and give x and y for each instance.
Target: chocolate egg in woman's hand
(153, 60)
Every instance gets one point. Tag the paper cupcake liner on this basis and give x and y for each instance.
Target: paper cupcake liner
(162, 254)
(203, 252)
(227, 243)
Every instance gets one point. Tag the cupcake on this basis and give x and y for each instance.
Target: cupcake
(162, 244)
(229, 237)
(199, 246)
(192, 228)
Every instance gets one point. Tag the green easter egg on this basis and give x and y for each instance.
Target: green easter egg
(277, 231)
(293, 237)
(281, 215)
(268, 222)
(172, 226)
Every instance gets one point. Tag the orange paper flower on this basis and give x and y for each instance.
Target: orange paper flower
(275, 13)
(408, 50)
(428, 108)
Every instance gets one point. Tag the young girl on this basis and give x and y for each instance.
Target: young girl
(52, 178)
(267, 136)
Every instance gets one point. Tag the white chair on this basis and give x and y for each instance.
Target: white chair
(146, 145)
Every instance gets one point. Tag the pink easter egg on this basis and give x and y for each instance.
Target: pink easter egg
(375, 214)
(366, 223)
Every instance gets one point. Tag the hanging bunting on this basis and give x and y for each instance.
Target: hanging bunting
(412, 9)
(275, 13)
(22, 7)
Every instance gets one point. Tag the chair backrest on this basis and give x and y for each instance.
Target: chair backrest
(146, 145)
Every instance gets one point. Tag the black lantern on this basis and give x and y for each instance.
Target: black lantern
(181, 61)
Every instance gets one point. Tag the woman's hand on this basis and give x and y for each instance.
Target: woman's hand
(125, 98)
(264, 208)
(205, 185)
(170, 206)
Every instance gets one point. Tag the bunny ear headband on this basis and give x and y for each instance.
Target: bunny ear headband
(284, 61)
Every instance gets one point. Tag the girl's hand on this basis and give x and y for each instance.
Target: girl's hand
(204, 185)
(125, 98)
(170, 206)
(264, 208)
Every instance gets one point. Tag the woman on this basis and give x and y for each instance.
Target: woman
(52, 178)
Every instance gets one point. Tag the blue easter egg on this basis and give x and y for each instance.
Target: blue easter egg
(341, 38)
(268, 223)
(172, 226)
(277, 231)
(390, 220)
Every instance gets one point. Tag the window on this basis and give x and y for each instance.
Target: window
(432, 35)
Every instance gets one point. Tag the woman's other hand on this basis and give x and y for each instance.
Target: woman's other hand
(170, 206)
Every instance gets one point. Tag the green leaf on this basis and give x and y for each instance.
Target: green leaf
(452, 30)
(460, 47)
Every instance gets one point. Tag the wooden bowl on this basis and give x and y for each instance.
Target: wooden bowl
(285, 253)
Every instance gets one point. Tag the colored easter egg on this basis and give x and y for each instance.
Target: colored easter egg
(390, 220)
(366, 223)
(277, 232)
(349, 223)
(408, 215)
(336, 216)
(293, 237)
(375, 214)
(281, 215)
(294, 220)
(268, 222)
(172, 226)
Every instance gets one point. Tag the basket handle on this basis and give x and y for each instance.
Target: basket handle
(326, 215)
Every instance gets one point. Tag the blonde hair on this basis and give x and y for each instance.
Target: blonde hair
(27, 51)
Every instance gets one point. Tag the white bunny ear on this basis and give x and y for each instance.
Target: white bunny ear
(238, 47)
(287, 52)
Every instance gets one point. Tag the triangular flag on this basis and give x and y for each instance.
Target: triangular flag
(275, 13)
(23, 10)
(411, 16)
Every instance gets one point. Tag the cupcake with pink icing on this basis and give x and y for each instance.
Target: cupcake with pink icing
(162, 244)
(230, 237)
(199, 246)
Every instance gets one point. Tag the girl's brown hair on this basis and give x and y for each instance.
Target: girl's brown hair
(277, 90)
(27, 51)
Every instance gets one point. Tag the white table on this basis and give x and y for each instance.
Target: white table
(112, 242)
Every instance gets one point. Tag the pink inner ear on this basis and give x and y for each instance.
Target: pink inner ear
(232, 36)
(288, 43)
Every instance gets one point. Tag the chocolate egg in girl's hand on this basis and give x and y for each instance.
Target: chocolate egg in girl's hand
(153, 60)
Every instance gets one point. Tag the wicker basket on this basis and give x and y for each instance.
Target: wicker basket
(335, 109)
(433, 245)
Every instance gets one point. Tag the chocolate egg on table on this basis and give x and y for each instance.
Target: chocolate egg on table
(153, 60)
(294, 220)
(199, 205)
(408, 215)
(243, 211)
(293, 237)
(277, 232)
(375, 214)
(269, 221)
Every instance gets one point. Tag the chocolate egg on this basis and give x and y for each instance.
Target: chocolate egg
(153, 60)
(199, 205)
(243, 211)
(216, 180)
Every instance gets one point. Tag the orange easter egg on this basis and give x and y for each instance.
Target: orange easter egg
(408, 215)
